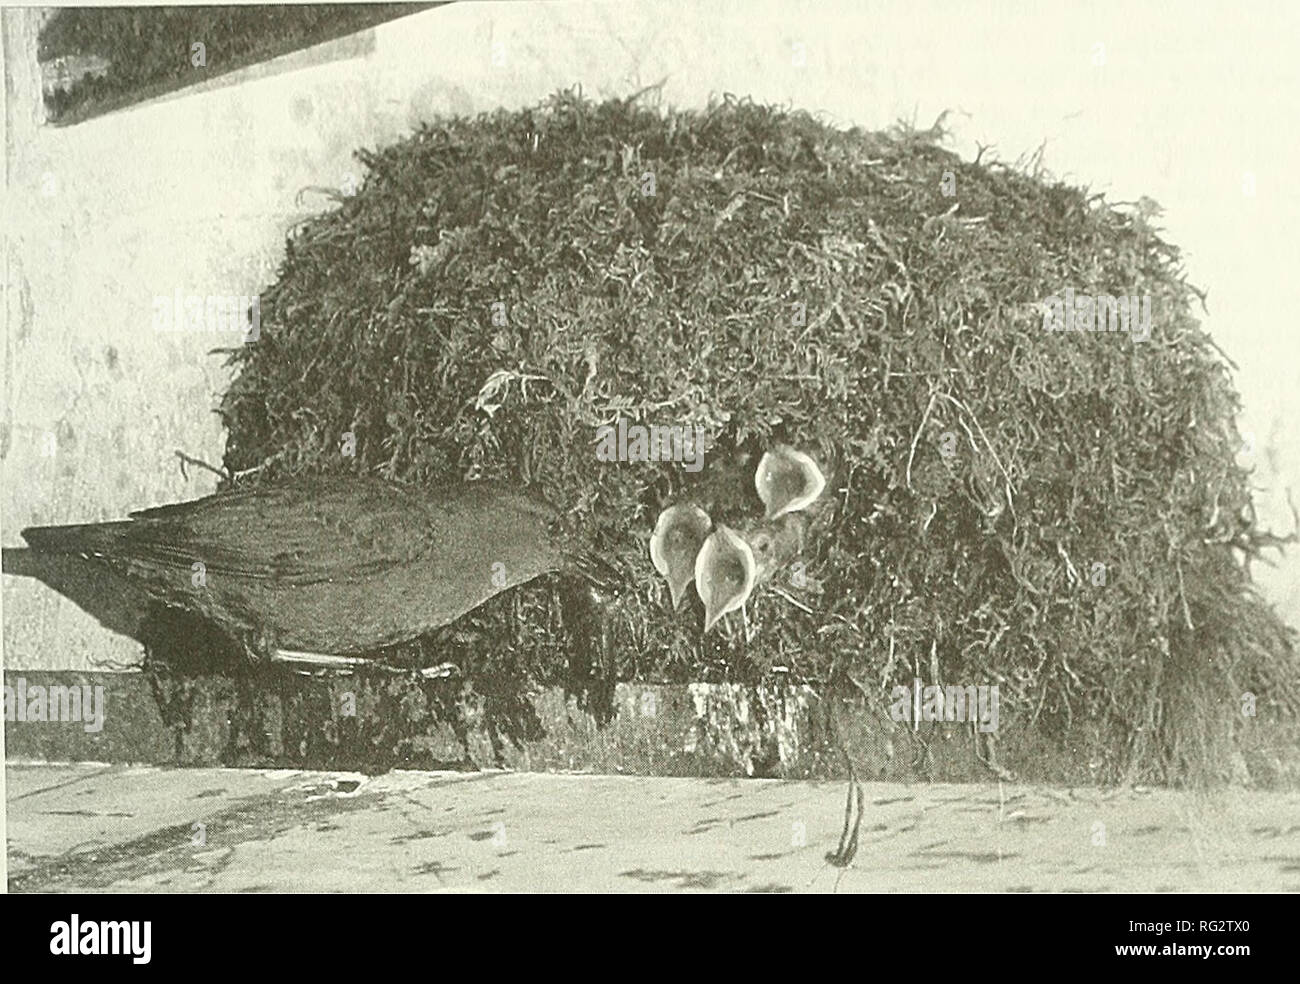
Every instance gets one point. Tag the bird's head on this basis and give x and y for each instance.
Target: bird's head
(678, 535)
(731, 563)
(727, 560)
(787, 480)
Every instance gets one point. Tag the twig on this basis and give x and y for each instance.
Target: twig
(861, 688)
(917, 436)
(797, 604)
(1182, 593)
(320, 190)
(1074, 575)
(257, 468)
(989, 444)
(190, 460)
(889, 664)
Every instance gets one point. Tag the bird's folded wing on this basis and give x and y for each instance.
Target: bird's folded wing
(299, 533)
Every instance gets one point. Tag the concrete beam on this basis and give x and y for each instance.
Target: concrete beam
(279, 719)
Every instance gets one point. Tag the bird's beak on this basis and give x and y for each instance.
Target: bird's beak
(679, 533)
(787, 481)
(725, 573)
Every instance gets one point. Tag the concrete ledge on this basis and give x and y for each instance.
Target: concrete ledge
(143, 829)
(276, 719)
(374, 723)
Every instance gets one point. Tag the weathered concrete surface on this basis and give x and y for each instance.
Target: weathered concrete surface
(279, 719)
(91, 828)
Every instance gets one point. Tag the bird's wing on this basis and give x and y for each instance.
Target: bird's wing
(301, 532)
(296, 533)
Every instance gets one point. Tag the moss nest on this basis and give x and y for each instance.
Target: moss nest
(1058, 513)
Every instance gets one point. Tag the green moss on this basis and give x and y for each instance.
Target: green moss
(982, 466)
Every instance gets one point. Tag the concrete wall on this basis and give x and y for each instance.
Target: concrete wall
(1190, 106)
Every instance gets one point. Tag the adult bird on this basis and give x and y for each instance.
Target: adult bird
(324, 567)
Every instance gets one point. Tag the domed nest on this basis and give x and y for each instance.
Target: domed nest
(1057, 512)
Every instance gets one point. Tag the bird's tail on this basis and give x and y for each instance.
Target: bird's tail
(81, 538)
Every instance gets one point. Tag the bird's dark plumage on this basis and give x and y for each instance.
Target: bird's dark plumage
(330, 566)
